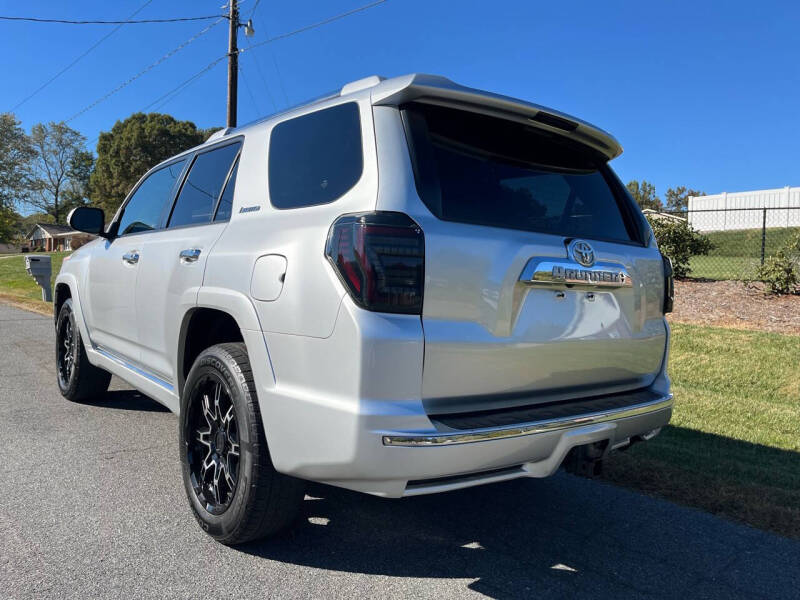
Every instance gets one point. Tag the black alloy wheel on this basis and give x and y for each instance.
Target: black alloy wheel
(78, 379)
(213, 449)
(232, 486)
(65, 352)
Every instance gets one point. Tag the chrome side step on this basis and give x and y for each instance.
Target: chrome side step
(131, 367)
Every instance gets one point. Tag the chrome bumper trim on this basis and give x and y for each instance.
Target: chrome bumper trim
(496, 433)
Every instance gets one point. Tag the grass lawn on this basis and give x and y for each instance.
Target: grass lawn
(18, 287)
(733, 447)
(724, 267)
(737, 254)
(748, 241)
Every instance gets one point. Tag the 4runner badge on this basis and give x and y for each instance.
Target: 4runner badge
(566, 272)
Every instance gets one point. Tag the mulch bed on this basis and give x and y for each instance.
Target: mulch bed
(733, 304)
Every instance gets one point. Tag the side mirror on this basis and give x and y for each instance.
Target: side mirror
(89, 220)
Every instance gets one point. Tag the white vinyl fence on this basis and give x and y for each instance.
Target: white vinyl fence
(740, 210)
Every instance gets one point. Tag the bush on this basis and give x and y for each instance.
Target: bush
(677, 240)
(781, 271)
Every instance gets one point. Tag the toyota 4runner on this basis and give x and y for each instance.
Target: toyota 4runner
(405, 287)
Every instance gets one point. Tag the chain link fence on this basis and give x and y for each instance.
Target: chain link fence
(743, 238)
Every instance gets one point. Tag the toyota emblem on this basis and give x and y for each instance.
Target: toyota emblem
(583, 253)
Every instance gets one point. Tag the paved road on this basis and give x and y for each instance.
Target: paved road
(91, 505)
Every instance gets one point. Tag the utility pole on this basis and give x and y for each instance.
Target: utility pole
(233, 62)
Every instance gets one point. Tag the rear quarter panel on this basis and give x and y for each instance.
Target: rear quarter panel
(309, 300)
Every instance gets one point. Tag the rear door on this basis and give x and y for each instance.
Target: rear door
(539, 284)
(173, 260)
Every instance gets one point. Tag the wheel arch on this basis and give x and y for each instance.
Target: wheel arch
(66, 286)
(61, 292)
(201, 328)
(221, 315)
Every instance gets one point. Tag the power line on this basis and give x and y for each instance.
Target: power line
(261, 73)
(252, 12)
(127, 22)
(79, 58)
(250, 92)
(280, 77)
(145, 70)
(258, 64)
(314, 25)
(179, 88)
(263, 80)
(171, 94)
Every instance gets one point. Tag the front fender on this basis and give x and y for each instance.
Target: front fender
(71, 281)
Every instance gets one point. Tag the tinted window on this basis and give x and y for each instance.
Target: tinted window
(203, 186)
(226, 202)
(143, 211)
(477, 169)
(315, 158)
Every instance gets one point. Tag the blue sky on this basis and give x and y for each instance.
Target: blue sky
(703, 94)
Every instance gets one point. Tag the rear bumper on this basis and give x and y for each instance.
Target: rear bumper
(463, 459)
(346, 411)
(385, 451)
(538, 427)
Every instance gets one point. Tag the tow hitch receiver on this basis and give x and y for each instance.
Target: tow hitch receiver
(586, 460)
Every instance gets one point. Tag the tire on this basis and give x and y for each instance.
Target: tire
(233, 489)
(78, 379)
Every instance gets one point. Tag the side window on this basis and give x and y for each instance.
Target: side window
(143, 210)
(203, 186)
(316, 158)
(226, 202)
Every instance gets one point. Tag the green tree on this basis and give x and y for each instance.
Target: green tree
(645, 194)
(16, 154)
(57, 169)
(678, 198)
(9, 221)
(77, 190)
(132, 147)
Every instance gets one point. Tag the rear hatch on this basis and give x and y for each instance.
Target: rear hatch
(539, 285)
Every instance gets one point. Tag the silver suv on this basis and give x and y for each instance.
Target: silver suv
(405, 287)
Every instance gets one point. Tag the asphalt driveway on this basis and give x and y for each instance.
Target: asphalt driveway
(91, 505)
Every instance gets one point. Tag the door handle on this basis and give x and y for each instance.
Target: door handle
(190, 255)
(131, 257)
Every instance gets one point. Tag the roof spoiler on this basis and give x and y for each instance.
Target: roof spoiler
(400, 90)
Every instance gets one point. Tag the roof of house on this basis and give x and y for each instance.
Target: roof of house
(52, 229)
(662, 215)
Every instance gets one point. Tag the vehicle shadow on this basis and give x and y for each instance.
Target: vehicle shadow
(559, 537)
(126, 400)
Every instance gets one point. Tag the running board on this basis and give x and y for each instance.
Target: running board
(131, 367)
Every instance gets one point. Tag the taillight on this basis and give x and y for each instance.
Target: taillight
(669, 285)
(380, 258)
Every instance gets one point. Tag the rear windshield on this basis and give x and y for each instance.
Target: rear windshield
(473, 168)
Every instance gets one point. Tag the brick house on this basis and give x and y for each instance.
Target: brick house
(55, 238)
